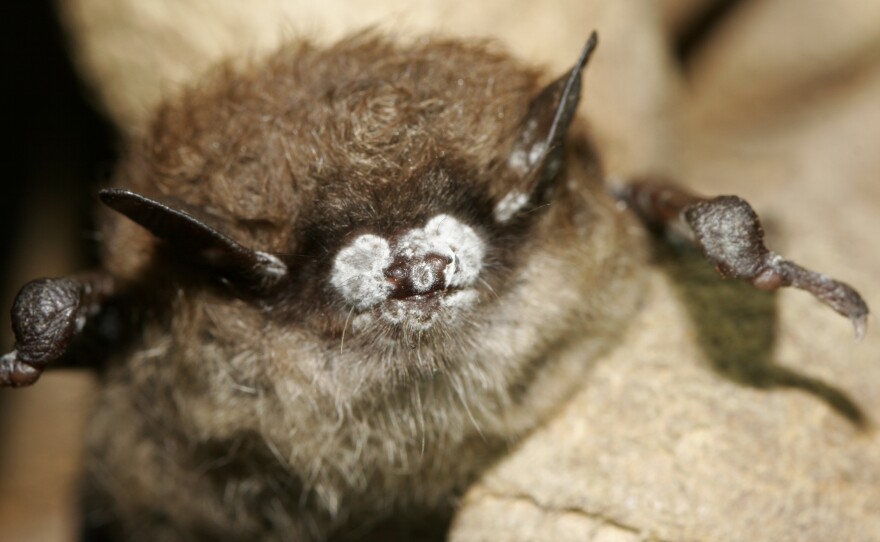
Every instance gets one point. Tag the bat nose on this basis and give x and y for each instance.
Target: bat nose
(417, 275)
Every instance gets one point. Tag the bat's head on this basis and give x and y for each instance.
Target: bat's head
(379, 208)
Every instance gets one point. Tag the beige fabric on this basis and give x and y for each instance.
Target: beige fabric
(708, 423)
(137, 52)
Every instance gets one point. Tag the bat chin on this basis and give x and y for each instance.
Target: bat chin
(421, 312)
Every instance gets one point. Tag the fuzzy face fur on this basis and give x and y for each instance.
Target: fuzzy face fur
(344, 397)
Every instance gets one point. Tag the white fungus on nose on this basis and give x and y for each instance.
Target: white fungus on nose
(359, 268)
(423, 276)
(358, 271)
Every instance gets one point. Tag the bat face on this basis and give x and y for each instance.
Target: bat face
(410, 203)
(388, 269)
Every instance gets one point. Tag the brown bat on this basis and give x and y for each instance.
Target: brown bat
(342, 282)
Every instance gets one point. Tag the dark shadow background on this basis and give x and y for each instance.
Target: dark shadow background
(57, 146)
(56, 150)
(737, 330)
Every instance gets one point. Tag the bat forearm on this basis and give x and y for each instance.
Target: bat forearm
(729, 233)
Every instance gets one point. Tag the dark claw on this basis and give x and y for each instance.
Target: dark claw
(15, 374)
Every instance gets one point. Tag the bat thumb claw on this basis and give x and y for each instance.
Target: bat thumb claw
(860, 325)
(14, 373)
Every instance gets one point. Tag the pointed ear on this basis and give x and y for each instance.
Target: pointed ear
(198, 241)
(536, 156)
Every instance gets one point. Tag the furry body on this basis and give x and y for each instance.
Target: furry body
(297, 415)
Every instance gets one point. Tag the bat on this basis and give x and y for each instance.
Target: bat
(337, 284)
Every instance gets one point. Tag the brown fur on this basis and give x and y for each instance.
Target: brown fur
(272, 419)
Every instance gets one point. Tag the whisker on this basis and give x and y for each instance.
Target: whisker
(489, 287)
(344, 327)
(467, 408)
(420, 420)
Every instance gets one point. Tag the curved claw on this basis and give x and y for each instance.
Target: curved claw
(14, 373)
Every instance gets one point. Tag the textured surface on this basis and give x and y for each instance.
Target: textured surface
(729, 414)
(673, 441)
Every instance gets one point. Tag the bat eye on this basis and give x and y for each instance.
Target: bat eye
(420, 275)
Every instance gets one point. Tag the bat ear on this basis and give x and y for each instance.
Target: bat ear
(199, 242)
(537, 153)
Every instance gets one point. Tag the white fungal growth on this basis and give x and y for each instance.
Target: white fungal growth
(423, 276)
(415, 316)
(358, 271)
(522, 159)
(359, 268)
(445, 236)
(270, 268)
(420, 317)
(510, 205)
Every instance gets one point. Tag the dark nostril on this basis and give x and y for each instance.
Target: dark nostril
(418, 275)
(398, 272)
(437, 262)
